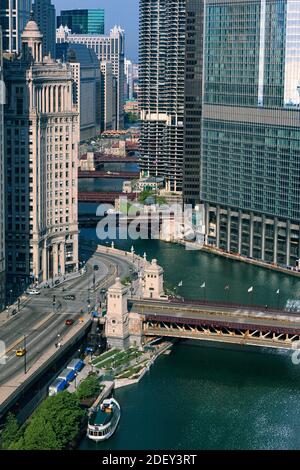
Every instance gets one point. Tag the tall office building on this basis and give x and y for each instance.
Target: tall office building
(108, 97)
(2, 184)
(129, 79)
(108, 49)
(82, 21)
(14, 15)
(45, 16)
(87, 86)
(161, 78)
(41, 151)
(193, 101)
(250, 168)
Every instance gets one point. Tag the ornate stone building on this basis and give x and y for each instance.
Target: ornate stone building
(41, 148)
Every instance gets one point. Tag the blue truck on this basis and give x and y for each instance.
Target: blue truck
(57, 386)
(67, 375)
(76, 365)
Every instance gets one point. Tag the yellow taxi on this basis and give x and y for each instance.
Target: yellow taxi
(21, 352)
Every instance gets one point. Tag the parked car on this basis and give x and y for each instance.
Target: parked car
(69, 322)
(33, 292)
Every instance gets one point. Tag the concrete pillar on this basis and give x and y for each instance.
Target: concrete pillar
(288, 242)
(218, 227)
(228, 228)
(51, 99)
(263, 237)
(275, 239)
(56, 98)
(240, 233)
(55, 259)
(45, 262)
(117, 321)
(62, 258)
(251, 234)
(206, 209)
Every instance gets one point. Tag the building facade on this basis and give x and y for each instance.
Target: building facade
(82, 21)
(193, 101)
(14, 15)
(250, 166)
(41, 150)
(161, 88)
(108, 49)
(87, 86)
(45, 16)
(108, 97)
(2, 186)
(128, 80)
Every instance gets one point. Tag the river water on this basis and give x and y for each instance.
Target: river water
(205, 395)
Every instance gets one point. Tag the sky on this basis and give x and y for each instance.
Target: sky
(120, 12)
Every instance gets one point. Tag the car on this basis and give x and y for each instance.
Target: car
(21, 352)
(69, 322)
(33, 292)
(70, 297)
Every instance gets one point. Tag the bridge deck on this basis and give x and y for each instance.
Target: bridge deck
(218, 314)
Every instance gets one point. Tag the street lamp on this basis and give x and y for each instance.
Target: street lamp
(25, 359)
(75, 382)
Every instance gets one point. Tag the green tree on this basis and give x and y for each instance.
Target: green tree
(39, 435)
(10, 432)
(89, 387)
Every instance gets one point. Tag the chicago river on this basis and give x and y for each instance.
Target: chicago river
(206, 395)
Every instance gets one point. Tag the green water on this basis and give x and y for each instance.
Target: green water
(205, 396)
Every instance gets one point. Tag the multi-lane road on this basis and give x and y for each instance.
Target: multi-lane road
(43, 324)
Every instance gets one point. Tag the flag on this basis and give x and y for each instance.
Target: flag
(180, 284)
(250, 289)
(278, 290)
(203, 285)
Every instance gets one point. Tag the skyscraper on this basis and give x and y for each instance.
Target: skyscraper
(45, 16)
(41, 151)
(250, 168)
(2, 184)
(82, 21)
(14, 15)
(108, 49)
(193, 101)
(161, 75)
(87, 86)
(108, 97)
(129, 79)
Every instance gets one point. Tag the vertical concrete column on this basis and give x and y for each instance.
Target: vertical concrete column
(251, 234)
(45, 262)
(240, 233)
(206, 215)
(275, 239)
(288, 242)
(56, 98)
(228, 229)
(263, 237)
(55, 259)
(51, 99)
(62, 258)
(43, 100)
(218, 226)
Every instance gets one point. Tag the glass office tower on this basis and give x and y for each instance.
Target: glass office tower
(250, 166)
(82, 21)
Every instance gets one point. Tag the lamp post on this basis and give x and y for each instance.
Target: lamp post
(25, 358)
(75, 381)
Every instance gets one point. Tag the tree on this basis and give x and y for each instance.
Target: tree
(39, 435)
(10, 431)
(89, 387)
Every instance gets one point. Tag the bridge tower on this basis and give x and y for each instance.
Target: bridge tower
(117, 320)
(153, 287)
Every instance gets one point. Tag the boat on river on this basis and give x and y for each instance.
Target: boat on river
(103, 420)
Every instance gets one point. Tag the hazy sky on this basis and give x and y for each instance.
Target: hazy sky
(121, 12)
